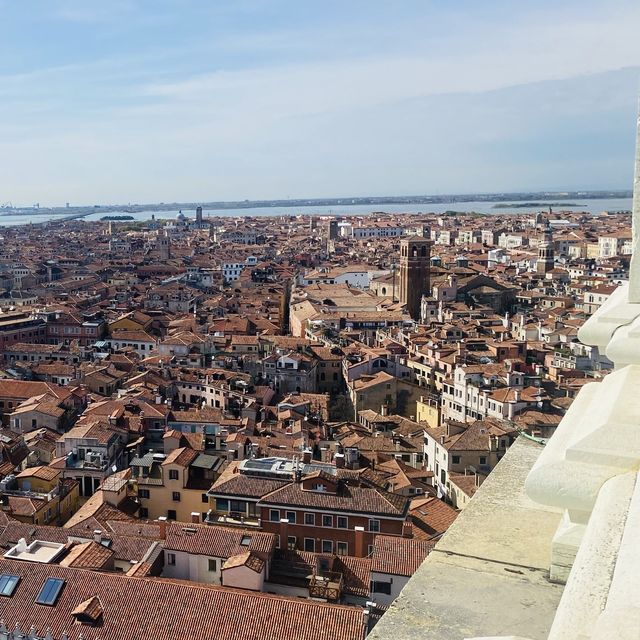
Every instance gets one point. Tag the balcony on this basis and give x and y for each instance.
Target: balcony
(232, 519)
(327, 586)
(91, 462)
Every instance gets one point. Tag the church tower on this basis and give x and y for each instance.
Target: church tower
(546, 255)
(415, 255)
(164, 245)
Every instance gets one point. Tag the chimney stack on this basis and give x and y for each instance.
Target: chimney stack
(306, 456)
(97, 536)
(195, 517)
(162, 522)
(384, 409)
(339, 460)
(359, 533)
(407, 529)
(284, 533)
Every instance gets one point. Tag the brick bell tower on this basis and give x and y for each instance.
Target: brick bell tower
(546, 257)
(415, 256)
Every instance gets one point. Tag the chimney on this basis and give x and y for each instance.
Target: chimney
(384, 409)
(407, 529)
(359, 532)
(339, 460)
(306, 456)
(442, 439)
(97, 536)
(284, 533)
(516, 395)
(366, 614)
(162, 523)
(195, 517)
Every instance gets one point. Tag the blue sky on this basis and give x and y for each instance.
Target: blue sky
(115, 101)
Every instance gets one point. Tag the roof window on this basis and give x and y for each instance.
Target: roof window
(50, 591)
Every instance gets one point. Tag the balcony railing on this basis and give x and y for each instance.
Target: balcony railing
(232, 519)
(327, 586)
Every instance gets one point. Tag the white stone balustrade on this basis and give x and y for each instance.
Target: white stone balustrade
(599, 437)
(589, 469)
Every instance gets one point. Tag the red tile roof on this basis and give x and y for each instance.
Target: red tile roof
(133, 606)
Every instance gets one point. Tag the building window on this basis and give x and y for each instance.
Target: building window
(310, 519)
(205, 498)
(310, 545)
(171, 514)
(171, 559)
(381, 587)
(291, 542)
(455, 459)
(274, 515)
(291, 517)
(173, 474)
(144, 512)
(327, 521)
(327, 546)
(343, 522)
(143, 493)
(342, 548)
(175, 496)
(374, 526)
(213, 564)
(483, 460)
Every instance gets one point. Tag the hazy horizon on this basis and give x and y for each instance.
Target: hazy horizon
(134, 101)
(544, 195)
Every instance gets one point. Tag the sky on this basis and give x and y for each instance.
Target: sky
(140, 101)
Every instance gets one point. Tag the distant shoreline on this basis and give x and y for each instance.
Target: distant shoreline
(524, 198)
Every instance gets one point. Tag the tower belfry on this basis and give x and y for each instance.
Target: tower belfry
(164, 245)
(546, 253)
(415, 259)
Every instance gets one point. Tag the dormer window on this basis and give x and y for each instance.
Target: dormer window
(89, 612)
(319, 487)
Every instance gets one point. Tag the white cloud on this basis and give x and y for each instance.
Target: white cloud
(414, 120)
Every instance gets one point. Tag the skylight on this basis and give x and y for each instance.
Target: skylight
(245, 541)
(50, 591)
(8, 584)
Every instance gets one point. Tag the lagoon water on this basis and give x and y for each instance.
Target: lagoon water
(592, 206)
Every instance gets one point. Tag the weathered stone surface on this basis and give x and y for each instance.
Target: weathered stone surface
(489, 573)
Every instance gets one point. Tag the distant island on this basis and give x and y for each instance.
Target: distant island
(529, 205)
(105, 218)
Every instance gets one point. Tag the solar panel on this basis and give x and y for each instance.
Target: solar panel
(50, 591)
(8, 584)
